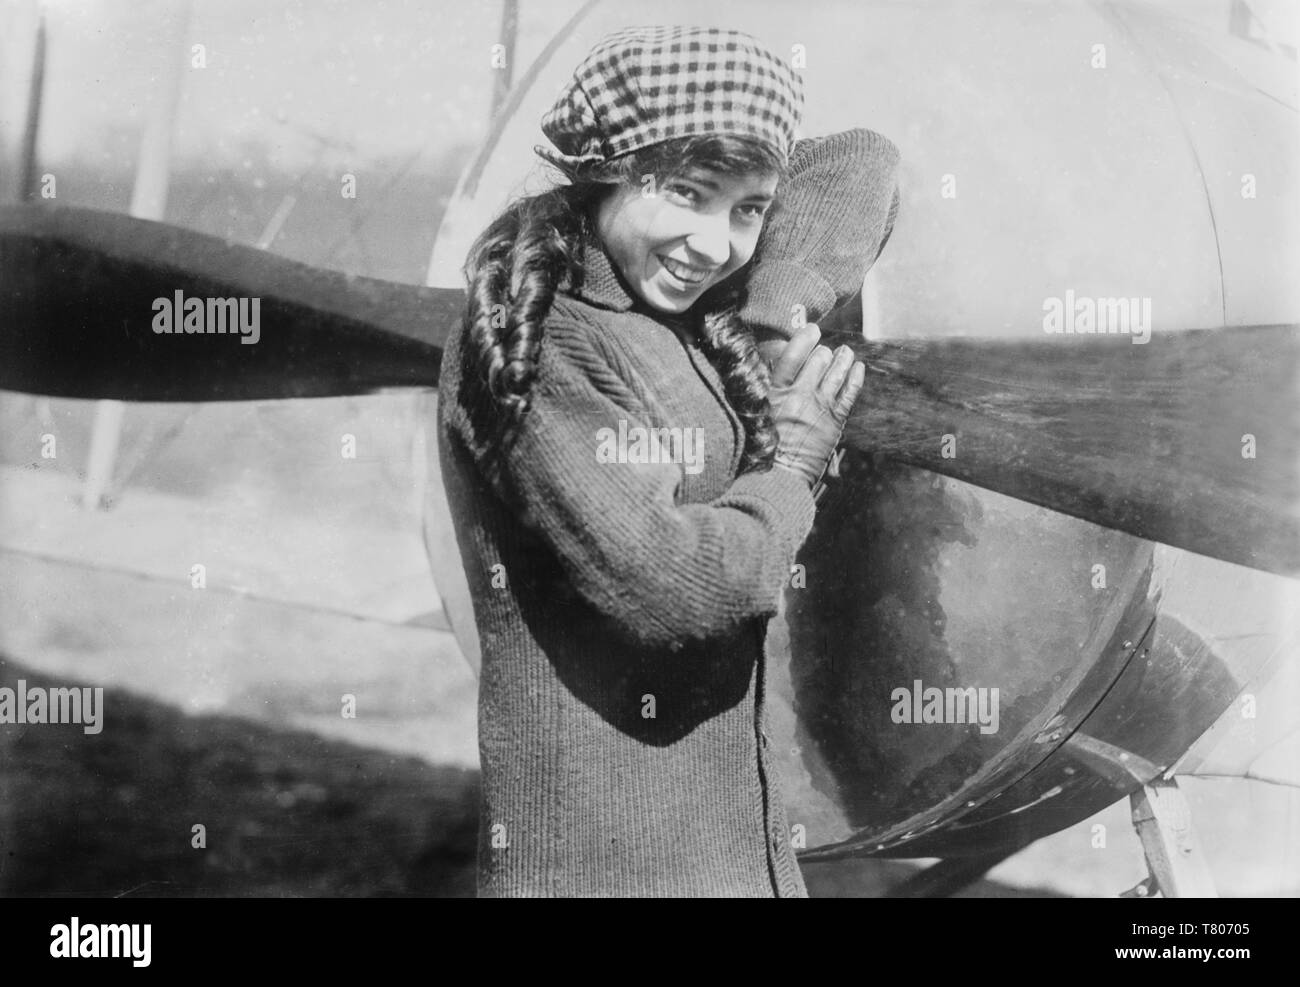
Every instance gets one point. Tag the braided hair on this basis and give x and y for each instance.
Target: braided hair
(515, 267)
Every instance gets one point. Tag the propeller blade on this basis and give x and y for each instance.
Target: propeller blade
(77, 292)
(1189, 440)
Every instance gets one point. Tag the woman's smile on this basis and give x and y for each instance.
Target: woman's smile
(689, 277)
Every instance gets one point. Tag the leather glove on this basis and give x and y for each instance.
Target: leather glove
(811, 394)
(834, 212)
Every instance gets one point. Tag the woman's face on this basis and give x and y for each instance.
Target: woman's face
(675, 242)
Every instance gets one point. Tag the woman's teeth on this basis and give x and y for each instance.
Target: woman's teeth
(682, 272)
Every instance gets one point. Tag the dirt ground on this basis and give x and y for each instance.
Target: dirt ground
(285, 812)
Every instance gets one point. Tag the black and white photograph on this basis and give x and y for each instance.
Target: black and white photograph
(625, 449)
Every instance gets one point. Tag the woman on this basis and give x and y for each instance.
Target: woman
(628, 487)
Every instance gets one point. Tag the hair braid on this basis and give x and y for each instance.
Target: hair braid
(730, 347)
(514, 270)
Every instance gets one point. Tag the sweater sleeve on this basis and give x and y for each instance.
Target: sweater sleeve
(834, 213)
(664, 573)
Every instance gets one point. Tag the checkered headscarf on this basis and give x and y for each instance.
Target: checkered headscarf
(644, 85)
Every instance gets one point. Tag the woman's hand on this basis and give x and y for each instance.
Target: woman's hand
(812, 393)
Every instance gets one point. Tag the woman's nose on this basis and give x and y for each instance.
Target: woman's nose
(711, 238)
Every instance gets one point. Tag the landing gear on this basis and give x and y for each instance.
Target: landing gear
(1177, 865)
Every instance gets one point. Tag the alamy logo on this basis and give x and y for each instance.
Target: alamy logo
(178, 314)
(934, 705)
(99, 941)
(41, 705)
(637, 444)
(1098, 316)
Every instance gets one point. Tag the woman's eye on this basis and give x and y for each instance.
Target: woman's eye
(684, 192)
(752, 211)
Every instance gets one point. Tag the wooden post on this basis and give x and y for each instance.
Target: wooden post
(153, 171)
(148, 201)
(32, 126)
(105, 436)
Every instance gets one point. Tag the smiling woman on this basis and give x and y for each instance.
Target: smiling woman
(700, 229)
(622, 591)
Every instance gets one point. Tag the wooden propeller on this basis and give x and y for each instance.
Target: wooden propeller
(1190, 440)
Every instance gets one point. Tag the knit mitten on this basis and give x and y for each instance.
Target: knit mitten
(833, 213)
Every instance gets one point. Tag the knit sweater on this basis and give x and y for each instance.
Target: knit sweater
(622, 606)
